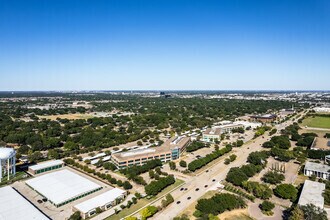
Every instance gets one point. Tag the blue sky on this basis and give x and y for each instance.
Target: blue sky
(164, 44)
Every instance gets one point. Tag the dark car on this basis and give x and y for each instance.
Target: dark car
(196, 189)
(207, 171)
(185, 189)
(178, 202)
(181, 189)
(206, 186)
(189, 198)
(44, 200)
(213, 180)
(39, 201)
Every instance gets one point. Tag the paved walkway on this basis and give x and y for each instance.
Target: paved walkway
(255, 212)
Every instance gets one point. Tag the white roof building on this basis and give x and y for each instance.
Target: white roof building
(45, 165)
(63, 186)
(95, 157)
(15, 207)
(312, 194)
(104, 201)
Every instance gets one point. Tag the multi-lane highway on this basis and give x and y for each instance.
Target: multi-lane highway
(198, 185)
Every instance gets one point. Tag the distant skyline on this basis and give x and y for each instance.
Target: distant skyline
(164, 45)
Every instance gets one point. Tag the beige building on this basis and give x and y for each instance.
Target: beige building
(103, 201)
(170, 150)
(212, 134)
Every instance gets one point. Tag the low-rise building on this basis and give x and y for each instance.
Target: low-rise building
(13, 206)
(170, 150)
(312, 194)
(229, 127)
(317, 169)
(62, 187)
(212, 134)
(248, 124)
(45, 166)
(287, 111)
(263, 118)
(103, 201)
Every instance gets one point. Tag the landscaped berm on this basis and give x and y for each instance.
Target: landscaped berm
(317, 122)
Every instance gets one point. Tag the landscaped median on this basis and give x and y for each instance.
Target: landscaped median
(199, 163)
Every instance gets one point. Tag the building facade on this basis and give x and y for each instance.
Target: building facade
(319, 170)
(103, 201)
(268, 118)
(170, 150)
(46, 166)
(212, 134)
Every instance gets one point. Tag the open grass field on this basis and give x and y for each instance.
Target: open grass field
(67, 116)
(317, 122)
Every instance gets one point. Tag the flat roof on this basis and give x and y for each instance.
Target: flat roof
(266, 116)
(94, 157)
(312, 193)
(212, 131)
(317, 167)
(171, 143)
(13, 206)
(61, 186)
(100, 200)
(46, 164)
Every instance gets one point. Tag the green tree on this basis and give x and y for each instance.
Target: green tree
(297, 214)
(75, 216)
(286, 191)
(172, 165)
(273, 177)
(148, 212)
(267, 206)
(183, 163)
(312, 212)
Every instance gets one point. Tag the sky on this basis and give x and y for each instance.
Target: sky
(164, 45)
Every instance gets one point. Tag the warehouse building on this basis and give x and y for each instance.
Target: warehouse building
(170, 150)
(317, 169)
(104, 201)
(312, 194)
(45, 166)
(13, 206)
(62, 187)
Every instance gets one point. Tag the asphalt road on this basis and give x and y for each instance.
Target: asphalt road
(204, 181)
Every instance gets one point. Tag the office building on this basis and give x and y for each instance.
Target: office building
(170, 150)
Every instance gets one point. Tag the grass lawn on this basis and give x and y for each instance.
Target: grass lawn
(66, 116)
(190, 209)
(317, 122)
(142, 202)
(239, 217)
(18, 176)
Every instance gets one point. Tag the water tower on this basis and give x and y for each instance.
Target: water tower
(7, 162)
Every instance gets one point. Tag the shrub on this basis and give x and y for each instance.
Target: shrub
(183, 163)
(286, 191)
(156, 186)
(219, 203)
(148, 212)
(267, 206)
(273, 177)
